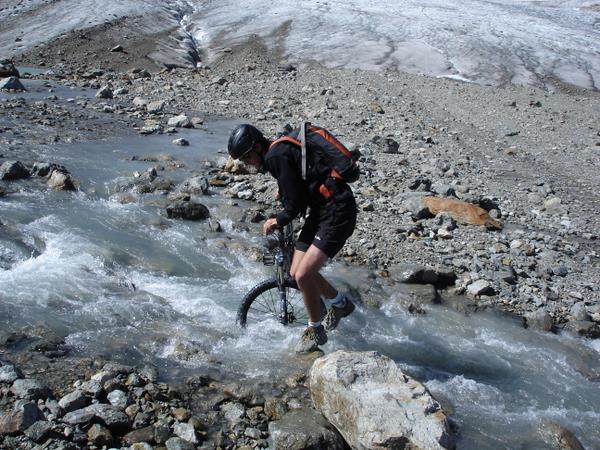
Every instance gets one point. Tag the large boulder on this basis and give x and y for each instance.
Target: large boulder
(304, 429)
(374, 405)
(462, 212)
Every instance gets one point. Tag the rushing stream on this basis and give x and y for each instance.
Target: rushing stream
(125, 281)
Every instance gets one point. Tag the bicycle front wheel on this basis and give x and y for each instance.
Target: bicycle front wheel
(262, 303)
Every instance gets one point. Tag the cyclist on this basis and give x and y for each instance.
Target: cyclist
(329, 224)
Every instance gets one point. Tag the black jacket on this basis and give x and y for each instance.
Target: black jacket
(283, 161)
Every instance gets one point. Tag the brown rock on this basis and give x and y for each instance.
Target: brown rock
(460, 211)
(99, 435)
(145, 434)
(559, 437)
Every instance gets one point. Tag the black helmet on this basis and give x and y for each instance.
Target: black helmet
(243, 139)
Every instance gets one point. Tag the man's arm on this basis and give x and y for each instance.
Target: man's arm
(292, 188)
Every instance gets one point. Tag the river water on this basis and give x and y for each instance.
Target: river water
(122, 280)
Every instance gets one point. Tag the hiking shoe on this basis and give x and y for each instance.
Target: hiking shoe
(311, 339)
(332, 319)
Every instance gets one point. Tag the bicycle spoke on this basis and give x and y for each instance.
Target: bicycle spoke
(262, 311)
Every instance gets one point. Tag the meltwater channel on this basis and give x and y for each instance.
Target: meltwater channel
(122, 280)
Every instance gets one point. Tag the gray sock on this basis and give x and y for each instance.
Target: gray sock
(339, 301)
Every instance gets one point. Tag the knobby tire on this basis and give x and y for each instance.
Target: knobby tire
(262, 302)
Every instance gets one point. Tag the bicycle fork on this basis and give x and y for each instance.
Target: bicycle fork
(283, 304)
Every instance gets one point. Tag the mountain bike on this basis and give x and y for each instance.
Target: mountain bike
(276, 297)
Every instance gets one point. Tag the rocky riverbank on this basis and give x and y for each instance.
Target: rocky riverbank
(526, 156)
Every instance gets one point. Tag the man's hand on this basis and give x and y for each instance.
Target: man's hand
(270, 225)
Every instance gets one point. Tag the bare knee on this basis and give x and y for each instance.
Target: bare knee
(302, 277)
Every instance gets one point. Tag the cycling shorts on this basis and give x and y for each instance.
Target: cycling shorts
(328, 226)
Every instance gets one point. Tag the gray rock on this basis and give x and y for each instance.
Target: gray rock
(585, 328)
(390, 146)
(104, 92)
(233, 412)
(149, 373)
(139, 102)
(196, 186)
(73, 401)
(218, 80)
(176, 443)
(553, 205)
(92, 387)
(162, 432)
(11, 84)
(539, 319)
(413, 273)
(108, 414)
(8, 69)
(30, 389)
(22, 416)
(304, 429)
(507, 275)
(111, 416)
(373, 403)
(480, 287)
(13, 170)
(255, 433)
(61, 181)
(9, 373)
(411, 202)
(187, 210)
(39, 431)
(155, 107)
(414, 296)
(185, 431)
(119, 399)
(181, 121)
(79, 416)
(579, 311)
(181, 142)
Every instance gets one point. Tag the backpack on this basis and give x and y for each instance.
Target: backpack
(331, 152)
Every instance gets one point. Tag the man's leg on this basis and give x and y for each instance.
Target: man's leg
(325, 288)
(311, 282)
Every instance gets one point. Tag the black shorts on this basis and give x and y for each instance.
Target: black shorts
(328, 226)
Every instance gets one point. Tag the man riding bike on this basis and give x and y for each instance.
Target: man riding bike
(330, 221)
